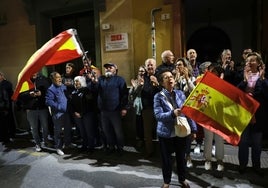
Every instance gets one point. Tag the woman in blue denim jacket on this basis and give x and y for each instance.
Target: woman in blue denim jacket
(166, 115)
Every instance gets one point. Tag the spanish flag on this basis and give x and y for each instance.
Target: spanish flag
(220, 107)
(64, 47)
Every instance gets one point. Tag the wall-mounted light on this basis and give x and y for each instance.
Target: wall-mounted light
(3, 18)
(106, 26)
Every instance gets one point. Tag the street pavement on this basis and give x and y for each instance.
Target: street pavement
(22, 167)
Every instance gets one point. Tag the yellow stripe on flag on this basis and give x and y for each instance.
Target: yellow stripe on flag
(220, 108)
(69, 44)
(25, 87)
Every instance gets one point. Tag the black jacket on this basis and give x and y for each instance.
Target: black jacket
(34, 103)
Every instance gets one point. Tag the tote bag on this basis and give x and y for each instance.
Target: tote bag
(182, 127)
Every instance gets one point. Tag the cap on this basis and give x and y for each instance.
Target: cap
(110, 65)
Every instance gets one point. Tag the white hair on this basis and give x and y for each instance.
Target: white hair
(165, 54)
(82, 80)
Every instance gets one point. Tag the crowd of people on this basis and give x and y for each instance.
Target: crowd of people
(177, 78)
(94, 104)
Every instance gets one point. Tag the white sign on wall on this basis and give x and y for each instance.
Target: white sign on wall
(117, 41)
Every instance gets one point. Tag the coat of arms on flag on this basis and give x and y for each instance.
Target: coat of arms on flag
(220, 107)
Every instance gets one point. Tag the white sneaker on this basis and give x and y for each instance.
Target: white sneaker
(213, 150)
(38, 148)
(197, 149)
(60, 152)
(208, 165)
(189, 163)
(220, 167)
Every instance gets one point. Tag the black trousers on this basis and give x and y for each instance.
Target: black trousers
(4, 133)
(167, 147)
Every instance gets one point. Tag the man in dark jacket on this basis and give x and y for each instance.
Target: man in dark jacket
(11, 127)
(112, 102)
(4, 110)
(33, 101)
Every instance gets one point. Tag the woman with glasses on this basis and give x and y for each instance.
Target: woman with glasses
(167, 106)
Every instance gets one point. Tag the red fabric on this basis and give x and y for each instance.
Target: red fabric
(203, 116)
(48, 54)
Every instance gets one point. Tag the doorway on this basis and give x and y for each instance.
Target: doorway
(83, 22)
(209, 43)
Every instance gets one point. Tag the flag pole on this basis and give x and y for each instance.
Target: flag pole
(80, 44)
(84, 56)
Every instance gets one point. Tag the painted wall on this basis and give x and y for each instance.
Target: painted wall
(130, 17)
(18, 39)
(142, 30)
(118, 15)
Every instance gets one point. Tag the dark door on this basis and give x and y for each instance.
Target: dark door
(209, 43)
(83, 22)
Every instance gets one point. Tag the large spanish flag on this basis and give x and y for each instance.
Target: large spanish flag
(64, 47)
(220, 107)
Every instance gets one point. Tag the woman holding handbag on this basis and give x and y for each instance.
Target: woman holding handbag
(167, 105)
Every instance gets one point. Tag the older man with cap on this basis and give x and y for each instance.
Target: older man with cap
(112, 103)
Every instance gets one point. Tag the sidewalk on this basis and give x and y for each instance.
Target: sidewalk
(21, 166)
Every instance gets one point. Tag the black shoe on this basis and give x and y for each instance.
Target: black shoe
(242, 169)
(48, 144)
(70, 146)
(90, 150)
(120, 151)
(148, 155)
(184, 184)
(259, 172)
(83, 149)
(109, 151)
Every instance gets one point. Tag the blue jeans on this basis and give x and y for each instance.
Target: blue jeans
(63, 121)
(34, 117)
(112, 127)
(251, 138)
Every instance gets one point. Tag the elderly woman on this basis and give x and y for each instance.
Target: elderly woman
(167, 106)
(83, 102)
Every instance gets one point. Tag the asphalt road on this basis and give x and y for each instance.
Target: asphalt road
(22, 167)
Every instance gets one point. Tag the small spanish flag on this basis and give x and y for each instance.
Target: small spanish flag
(220, 107)
(63, 47)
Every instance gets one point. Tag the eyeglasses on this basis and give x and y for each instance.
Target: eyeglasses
(141, 70)
(179, 64)
(168, 77)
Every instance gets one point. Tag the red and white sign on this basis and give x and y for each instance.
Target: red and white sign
(117, 41)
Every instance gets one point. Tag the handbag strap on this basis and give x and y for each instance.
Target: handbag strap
(169, 100)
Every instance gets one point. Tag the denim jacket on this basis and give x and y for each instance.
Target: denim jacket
(164, 113)
(56, 100)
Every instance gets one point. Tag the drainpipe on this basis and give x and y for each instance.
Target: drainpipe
(153, 31)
